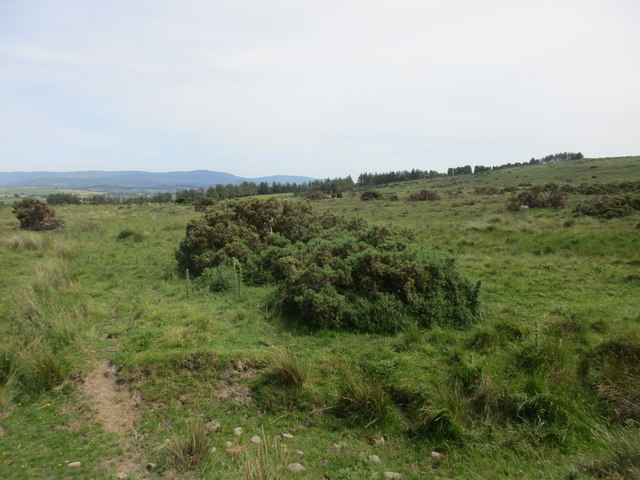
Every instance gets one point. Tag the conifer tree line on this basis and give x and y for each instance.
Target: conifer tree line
(329, 186)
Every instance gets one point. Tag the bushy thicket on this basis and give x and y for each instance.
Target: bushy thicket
(423, 195)
(63, 198)
(537, 197)
(331, 272)
(610, 206)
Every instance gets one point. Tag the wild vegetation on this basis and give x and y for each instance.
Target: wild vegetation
(544, 383)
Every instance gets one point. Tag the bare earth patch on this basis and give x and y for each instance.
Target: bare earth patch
(113, 404)
(233, 385)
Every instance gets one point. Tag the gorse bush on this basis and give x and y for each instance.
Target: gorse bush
(610, 206)
(423, 195)
(331, 272)
(548, 196)
(36, 215)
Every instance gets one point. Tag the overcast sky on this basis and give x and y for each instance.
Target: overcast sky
(320, 88)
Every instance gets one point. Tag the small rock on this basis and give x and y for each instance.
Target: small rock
(299, 452)
(375, 459)
(213, 450)
(392, 475)
(234, 450)
(75, 464)
(122, 476)
(237, 431)
(336, 447)
(151, 466)
(287, 435)
(228, 444)
(212, 426)
(295, 467)
(377, 441)
(435, 454)
(256, 439)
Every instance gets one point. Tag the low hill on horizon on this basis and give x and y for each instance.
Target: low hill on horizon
(134, 179)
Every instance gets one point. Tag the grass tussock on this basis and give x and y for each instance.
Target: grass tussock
(191, 452)
(364, 402)
(51, 274)
(26, 241)
(264, 461)
(288, 369)
(620, 458)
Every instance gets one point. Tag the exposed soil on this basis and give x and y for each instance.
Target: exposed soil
(234, 385)
(113, 404)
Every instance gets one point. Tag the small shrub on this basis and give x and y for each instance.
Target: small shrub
(371, 195)
(314, 196)
(424, 195)
(129, 234)
(36, 215)
(190, 453)
(289, 369)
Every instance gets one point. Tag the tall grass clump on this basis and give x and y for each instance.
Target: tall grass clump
(620, 457)
(288, 369)
(264, 461)
(26, 241)
(51, 274)
(364, 402)
(190, 453)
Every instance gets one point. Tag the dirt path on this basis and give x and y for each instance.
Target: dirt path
(114, 406)
(115, 409)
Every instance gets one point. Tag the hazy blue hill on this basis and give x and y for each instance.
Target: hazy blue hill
(133, 179)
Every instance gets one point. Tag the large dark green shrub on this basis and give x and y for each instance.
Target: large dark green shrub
(331, 272)
(537, 197)
(610, 206)
(63, 198)
(36, 215)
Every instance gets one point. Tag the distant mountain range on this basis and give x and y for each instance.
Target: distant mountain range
(100, 180)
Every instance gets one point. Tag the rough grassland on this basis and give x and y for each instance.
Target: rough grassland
(544, 386)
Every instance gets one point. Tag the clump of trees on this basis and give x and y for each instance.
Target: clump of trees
(36, 215)
(367, 179)
(331, 272)
(63, 198)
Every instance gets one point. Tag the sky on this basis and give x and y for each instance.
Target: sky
(321, 88)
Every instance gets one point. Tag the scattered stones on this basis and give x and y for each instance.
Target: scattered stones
(295, 467)
(122, 476)
(375, 459)
(256, 439)
(151, 466)
(237, 431)
(299, 452)
(212, 426)
(228, 444)
(287, 435)
(392, 475)
(213, 450)
(75, 464)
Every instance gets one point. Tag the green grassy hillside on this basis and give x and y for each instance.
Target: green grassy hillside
(111, 359)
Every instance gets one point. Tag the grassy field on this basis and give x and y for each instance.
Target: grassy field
(110, 359)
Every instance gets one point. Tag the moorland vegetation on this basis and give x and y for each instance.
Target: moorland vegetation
(216, 328)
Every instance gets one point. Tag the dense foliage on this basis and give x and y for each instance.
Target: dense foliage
(548, 196)
(331, 272)
(63, 198)
(36, 215)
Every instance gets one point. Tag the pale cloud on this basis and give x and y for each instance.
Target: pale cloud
(317, 88)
